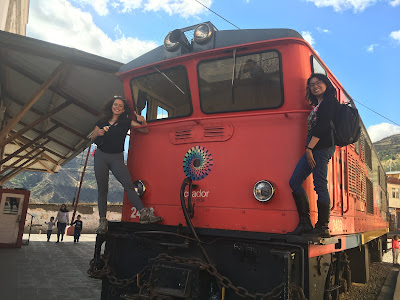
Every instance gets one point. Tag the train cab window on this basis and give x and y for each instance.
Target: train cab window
(240, 83)
(316, 66)
(163, 94)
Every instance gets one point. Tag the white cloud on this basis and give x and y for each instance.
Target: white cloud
(184, 8)
(129, 5)
(370, 48)
(340, 5)
(100, 6)
(323, 30)
(76, 29)
(380, 131)
(395, 35)
(394, 3)
(307, 36)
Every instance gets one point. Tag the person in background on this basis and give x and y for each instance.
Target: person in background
(109, 135)
(78, 228)
(319, 149)
(395, 249)
(63, 220)
(255, 70)
(49, 227)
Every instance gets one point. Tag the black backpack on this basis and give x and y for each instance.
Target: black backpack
(346, 125)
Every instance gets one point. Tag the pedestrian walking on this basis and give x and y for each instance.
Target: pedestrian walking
(395, 249)
(78, 228)
(50, 227)
(63, 220)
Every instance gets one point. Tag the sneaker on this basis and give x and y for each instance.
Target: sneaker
(147, 216)
(103, 226)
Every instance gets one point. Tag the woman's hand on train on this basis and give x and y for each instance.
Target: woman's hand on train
(101, 132)
(310, 158)
(140, 118)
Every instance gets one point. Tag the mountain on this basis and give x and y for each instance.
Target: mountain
(389, 152)
(62, 187)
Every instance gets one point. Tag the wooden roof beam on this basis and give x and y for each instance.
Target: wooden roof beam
(33, 124)
(49, 138)
(19, 170)
(35, 97)
(36, 111)
(44, 155)
(56, 90)
(31, 142)
(26, 156)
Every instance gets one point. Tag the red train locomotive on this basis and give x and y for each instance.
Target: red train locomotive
(227, 116)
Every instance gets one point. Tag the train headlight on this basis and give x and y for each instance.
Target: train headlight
(170, 44)
(140, 187)
(263, 190)
(203, 33)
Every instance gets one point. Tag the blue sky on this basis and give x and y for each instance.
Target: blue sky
(359, 40)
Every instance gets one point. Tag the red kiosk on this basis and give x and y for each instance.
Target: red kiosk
(13, 209)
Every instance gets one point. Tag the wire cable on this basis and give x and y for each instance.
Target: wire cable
(216, 14)
(376, 112)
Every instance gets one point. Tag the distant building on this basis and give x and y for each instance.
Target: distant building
(14, 16)
(393, 188)
(395, 174)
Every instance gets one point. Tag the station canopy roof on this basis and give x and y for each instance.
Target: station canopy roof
(50, 99)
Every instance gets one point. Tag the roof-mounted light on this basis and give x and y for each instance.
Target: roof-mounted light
(203, 33)
(176, 38)
(171, 45)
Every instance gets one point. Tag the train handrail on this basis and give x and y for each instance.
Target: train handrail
(347, 182)
(219, 117)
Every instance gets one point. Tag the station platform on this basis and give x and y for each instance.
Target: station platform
(47, 270)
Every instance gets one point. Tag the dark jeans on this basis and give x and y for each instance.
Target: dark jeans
(320, 172)
(61, 230)
(77, 234)
(49, 232)
(103, 162)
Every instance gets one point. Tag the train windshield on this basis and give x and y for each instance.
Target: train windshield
(163, 94)
(241, 83)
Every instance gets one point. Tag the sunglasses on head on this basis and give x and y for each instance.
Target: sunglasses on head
(119, 97)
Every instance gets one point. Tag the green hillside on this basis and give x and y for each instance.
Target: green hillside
(62, 187)
(389, 152)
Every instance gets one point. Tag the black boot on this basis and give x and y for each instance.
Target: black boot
(322, 226)
(303, 208)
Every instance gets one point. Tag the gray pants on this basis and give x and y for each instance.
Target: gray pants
(395, 255)
(103, 162)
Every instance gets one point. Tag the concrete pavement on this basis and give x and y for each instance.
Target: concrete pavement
(48, 270)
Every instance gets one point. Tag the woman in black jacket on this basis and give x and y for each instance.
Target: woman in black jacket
(318, 151)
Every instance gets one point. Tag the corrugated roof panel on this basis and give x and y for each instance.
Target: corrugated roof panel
(86, 81)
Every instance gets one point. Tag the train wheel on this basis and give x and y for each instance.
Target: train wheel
(331, 290)
(345, 274)
(377, 250)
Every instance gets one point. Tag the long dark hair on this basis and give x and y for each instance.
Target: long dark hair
(330, 91)
(107, 110)
(65, 209)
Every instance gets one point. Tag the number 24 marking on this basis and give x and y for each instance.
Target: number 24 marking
(135, 213)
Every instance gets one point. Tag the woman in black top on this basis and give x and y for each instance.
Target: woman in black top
(319, 150)
(109, 135)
